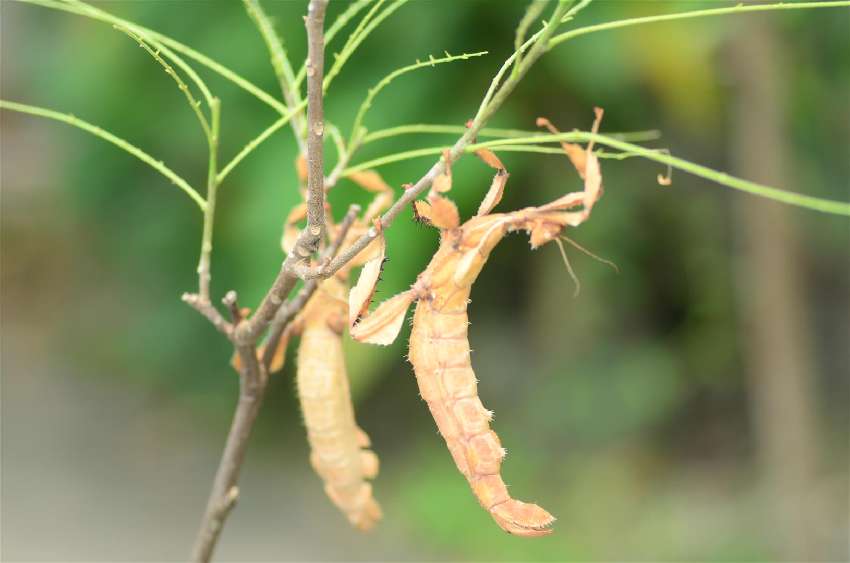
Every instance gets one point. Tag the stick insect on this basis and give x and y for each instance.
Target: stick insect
(439, 346)
(340, 452)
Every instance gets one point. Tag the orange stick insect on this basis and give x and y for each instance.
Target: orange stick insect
(439, 346)
(340, 452)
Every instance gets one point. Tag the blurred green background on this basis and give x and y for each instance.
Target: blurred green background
(692, 407)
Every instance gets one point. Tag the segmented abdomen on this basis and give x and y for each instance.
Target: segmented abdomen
(439, 352)
(338, 445)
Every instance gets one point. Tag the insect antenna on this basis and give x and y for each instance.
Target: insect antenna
(589, 253)
(569, 267)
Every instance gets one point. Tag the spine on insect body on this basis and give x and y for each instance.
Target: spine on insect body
(339, 448)
(439, 352)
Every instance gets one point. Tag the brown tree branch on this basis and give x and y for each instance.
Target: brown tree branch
(207, 309)
(315, 125)
(253, 376)
(252, 389)
(309, 238)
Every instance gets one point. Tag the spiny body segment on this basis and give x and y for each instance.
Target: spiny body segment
(439, 352)
(339, 448)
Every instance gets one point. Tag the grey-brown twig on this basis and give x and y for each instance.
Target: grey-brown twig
(281, 65)
(206, 308)
(315, 126)
(252, 389)
(308, 240)
(253, 375)
(286, 313)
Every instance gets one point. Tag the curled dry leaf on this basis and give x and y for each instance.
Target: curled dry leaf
(361, 294)
(383, 324)
(373, 182)
(490, 159)
(301, 168)
(495, 193)
(370, 181)
(290, 230)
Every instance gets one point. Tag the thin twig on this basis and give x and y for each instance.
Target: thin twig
(341, 164)
(74, 121)
(209, 210)
(82, 9)
(212, 314)
(252, 389)
(254, 377)
(308, 240)
(286, 313)
(315, 125)
(280, 63)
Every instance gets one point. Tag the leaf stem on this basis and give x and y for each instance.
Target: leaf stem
(635, 136)
(768, 192)
(157, 165)
(209, 213)
(738, 9)
(83, 9)
(280, 64)
(169, 70)
(256, 141)
(384, 82)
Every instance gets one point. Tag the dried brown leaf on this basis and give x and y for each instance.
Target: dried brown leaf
(361, 294)
(495, 193)
(370, 180)
(382, 201)
(290, 231)
(382, 325)
(301, 168)
(490, 159)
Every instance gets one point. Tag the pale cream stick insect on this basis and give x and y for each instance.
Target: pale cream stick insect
(340, 451)
(439, 347)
